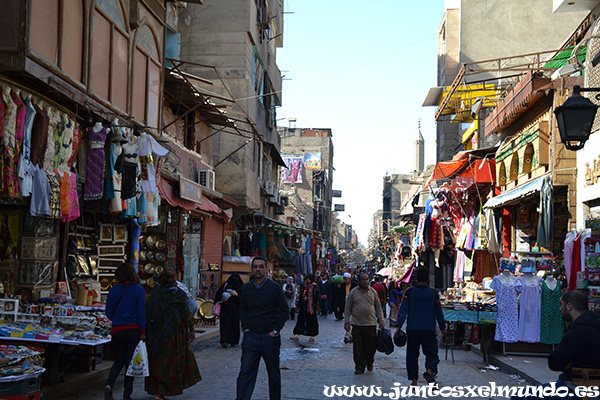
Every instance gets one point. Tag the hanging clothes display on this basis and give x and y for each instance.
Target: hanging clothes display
(530, 288)
(94, 177)
(74, 146)
(53, 125)
(508, 308)
(491, 231)
(13, 120)
(552, 325)
(130, 169)
(39, 135)
(40, 194)
(74, 212)
(148, 147)
(2, 147)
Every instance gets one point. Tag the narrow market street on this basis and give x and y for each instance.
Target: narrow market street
(307, 368)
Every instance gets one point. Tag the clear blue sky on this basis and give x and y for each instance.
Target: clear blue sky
(362, 69)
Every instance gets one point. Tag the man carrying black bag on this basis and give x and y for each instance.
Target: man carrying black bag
(363, 312)
(421, 304)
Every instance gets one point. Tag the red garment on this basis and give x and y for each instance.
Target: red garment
(436, 234)
(313, 245)
(576, 263)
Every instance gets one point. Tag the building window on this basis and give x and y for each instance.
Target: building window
(109, 53)
(146, 78)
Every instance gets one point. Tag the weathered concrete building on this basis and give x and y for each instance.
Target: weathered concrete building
(472, 31)
(229, 48)
(309, 152)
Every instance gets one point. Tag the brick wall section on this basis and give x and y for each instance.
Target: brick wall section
(213, 241)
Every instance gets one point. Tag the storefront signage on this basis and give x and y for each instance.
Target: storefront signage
(189, 190)
(339, 207)
(336, 193)
(592, 174)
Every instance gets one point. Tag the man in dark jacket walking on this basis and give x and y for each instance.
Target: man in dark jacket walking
(421, 304)
(579, 347)
(263, 312)
(326, 291)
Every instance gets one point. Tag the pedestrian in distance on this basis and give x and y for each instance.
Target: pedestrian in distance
(289, 290)
(173, 366)
(382, 292)
(229, 317)
(126, 308)
(394, 300)
(362, 314)
(579, 347)
(326, 293)
(307, 324)
(421, 306)
(263, 312)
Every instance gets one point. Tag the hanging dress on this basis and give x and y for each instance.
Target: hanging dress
(129, 176)
(14, 119)
(530, 308)
(94, 177)
(148, 147)
(508, 310)
(74, 146)
(39, 136)
(53, 125)
(2, 148)
(552, 326)
(74, 212)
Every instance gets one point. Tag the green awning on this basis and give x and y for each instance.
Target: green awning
(562, 58)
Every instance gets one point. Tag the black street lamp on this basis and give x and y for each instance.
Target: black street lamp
(576, 117)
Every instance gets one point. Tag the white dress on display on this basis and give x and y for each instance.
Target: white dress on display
(530, 310)
(508, 308)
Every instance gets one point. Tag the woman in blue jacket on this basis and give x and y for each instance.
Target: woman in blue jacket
(126, 308)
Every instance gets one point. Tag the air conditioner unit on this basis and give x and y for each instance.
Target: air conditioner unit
(206, 178)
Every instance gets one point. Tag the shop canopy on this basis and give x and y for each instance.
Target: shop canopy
(481, 171)
(516, 194)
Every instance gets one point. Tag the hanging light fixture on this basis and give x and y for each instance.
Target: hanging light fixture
(575, 118)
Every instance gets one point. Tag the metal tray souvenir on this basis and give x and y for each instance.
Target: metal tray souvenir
(149, 268)
(160, 256)
(161, 244)
(151, 241)
(143, 255)
(150, 255)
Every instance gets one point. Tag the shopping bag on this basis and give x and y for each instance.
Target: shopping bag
(216, 310)
(384, 341)
(138, 367)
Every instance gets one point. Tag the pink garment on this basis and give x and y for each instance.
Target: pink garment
(73, 199)
(576, 264)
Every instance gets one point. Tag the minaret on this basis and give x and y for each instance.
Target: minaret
(419, 151)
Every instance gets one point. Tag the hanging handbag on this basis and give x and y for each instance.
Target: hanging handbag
(216, 309)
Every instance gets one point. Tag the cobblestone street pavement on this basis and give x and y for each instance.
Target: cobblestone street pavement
(308, 368)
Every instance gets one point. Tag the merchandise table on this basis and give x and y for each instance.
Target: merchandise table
(483, 318)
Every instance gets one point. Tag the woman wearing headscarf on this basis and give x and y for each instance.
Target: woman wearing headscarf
(170, 330)
(228, 295)
(307, 324)
(126, 308)
(289, 289)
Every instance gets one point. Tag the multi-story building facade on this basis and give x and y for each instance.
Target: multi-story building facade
(230, 48)
(309, 177)
(471, 32)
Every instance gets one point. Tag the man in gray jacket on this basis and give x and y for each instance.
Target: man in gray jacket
(363, 312)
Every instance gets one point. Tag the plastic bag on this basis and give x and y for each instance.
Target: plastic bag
(216, 310)
(138, 367)
(384, 341)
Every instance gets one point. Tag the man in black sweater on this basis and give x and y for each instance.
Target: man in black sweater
(263, 312)
(580, 347)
